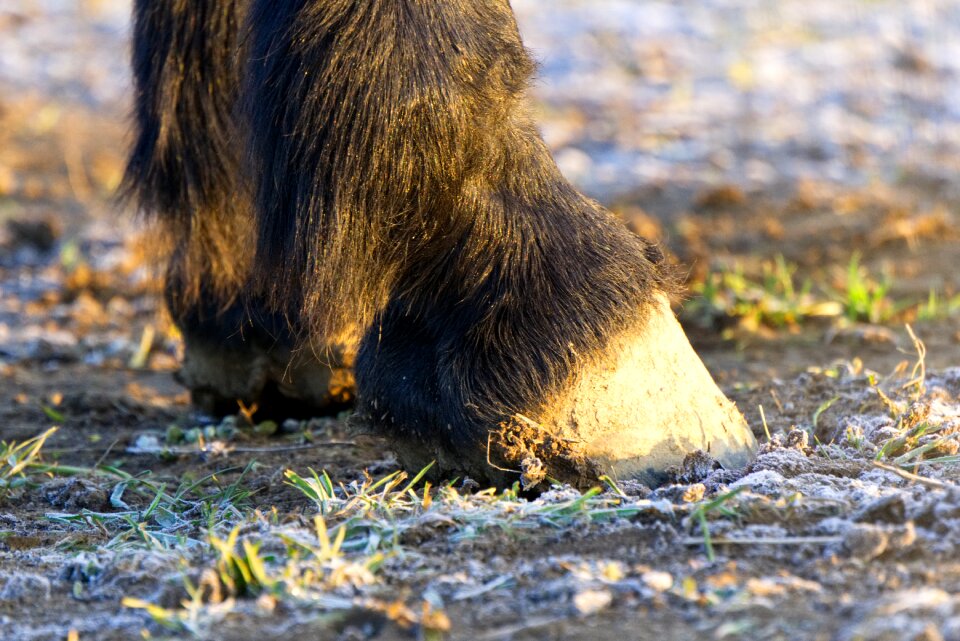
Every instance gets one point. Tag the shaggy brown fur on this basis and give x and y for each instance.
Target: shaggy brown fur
(401, 195)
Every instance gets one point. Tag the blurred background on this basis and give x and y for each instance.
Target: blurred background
(797, 157)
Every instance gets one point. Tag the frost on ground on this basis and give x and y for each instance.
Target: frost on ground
(139, 515)
(641, 91)
(851, 534)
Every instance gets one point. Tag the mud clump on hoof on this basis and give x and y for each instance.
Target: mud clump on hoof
(641, 411)
(540, 454)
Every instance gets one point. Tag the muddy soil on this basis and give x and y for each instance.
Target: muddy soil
(813, 541)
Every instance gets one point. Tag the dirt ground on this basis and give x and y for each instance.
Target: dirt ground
(845, 527)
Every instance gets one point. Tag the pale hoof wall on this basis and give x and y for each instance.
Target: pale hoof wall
(220, 377)
(631, 414)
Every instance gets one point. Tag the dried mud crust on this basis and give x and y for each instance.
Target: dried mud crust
(538, 454)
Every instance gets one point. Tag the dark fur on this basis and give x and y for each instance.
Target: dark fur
(403, 187)
(185, 173)
(403, 195)
(183, 169)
